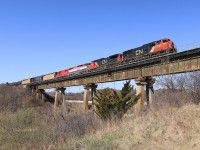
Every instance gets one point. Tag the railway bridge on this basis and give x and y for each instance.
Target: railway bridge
(141, 70)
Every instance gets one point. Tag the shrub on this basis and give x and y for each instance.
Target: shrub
(112, 104)
(13, 98)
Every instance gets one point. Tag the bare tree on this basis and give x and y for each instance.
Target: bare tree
(186, 83)
(167, 82)
(173, 82)
(194, 87)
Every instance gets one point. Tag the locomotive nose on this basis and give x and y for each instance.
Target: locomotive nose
(171, 45)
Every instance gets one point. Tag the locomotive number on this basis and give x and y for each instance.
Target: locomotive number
(138, 52)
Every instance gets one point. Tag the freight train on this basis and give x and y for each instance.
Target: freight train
(164, 45)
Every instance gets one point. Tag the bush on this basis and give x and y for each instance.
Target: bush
(16, 97)
(112, 105)
(68, 126)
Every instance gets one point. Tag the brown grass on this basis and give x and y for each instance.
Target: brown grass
(172, 123)
(171, 98)
(26, 123)
(169, 129)
(14, 98)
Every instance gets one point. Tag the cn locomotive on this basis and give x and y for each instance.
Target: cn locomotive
(164, 45)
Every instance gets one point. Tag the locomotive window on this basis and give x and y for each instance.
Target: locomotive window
(165, 41)
(113, 56)
(158, 42)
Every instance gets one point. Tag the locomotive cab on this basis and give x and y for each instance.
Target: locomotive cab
(163, 45)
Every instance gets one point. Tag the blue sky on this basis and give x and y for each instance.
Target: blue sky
(43, 36)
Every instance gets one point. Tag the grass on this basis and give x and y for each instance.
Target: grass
(170, 128)
(29, 128)
(26, 123)
(23, 129)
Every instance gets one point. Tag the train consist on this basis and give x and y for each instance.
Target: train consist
(161, 46)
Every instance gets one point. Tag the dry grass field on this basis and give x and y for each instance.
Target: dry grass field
(166, 129)
(29, 124)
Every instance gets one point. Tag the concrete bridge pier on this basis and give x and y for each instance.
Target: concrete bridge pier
(59, 95)
(42, 94)
(93, 92)
(34, 92)
(39, 95)
(140, 82)
(63, 95)
(149, 90)
(149, 96)
(56, 98)
(86, 97)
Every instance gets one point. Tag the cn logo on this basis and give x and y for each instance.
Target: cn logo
(138, 52)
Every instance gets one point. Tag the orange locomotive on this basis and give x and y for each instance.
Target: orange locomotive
(161, 46)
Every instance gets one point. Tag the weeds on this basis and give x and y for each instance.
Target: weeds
(29, 124)
(26, 123)
(14, 98)
(23, 130)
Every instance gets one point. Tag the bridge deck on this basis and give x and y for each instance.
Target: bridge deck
(186, 61)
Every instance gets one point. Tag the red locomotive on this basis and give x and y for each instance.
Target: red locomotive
(160, 46)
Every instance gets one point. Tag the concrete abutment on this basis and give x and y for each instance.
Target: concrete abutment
(59, 97)
(86, 96)
(141, 82)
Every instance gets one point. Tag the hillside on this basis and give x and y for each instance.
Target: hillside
(29, 124)
(169, 128)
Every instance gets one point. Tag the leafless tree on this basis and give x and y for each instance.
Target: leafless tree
(173, 82)
(187, 83)
(194, 87)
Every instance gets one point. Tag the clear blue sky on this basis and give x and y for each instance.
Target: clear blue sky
(43, 36)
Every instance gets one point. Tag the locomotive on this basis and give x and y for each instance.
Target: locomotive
(164, 45)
